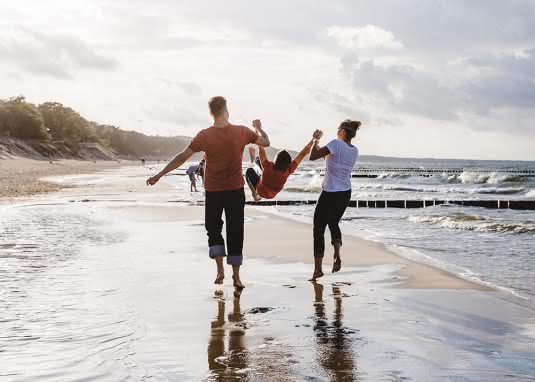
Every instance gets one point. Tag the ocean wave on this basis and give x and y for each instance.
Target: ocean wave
(310, 182)
(476, 223)
(530, 194)
(498, 190)
(466, 177)
(444, 190)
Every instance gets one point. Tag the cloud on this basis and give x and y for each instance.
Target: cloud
(403, 89)
(489, 91)
(345, 107)
(369, 36)
(501, 80)
(55, 55)
(188, 87)
(177, 115)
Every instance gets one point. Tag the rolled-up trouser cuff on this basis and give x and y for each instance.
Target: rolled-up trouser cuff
(318, 254)
(337, 241)
(216, 250)
(234, 260)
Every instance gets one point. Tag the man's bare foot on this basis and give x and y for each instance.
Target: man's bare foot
(220, 270)
(316, 275)
(219, 278)
(337, 265)
(237, 282)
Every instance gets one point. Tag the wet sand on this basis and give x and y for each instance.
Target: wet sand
(133, 264)
(21, 177)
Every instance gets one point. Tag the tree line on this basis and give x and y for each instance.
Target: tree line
(56, 123)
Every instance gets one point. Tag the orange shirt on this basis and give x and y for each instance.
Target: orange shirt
(223, 147)
(272, 180)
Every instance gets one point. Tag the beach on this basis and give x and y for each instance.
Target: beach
(21, 177)
(110, 281)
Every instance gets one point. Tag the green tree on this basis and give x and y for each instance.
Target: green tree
(21, 119)
(65, 124)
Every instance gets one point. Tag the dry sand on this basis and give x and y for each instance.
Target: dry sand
(22, 177)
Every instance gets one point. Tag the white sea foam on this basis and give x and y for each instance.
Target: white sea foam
(310, 182)
(442, 189)
(474, 223)
(466, 177)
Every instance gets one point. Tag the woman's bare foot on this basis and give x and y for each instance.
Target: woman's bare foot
(337, 265)
(316, 275)
(318, 272)
(237, 282)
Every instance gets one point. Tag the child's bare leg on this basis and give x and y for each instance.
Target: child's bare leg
(250, 173)
(252, 153)
(220, 270)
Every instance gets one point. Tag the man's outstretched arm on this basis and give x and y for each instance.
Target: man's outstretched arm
(263, 139)
(176, 162)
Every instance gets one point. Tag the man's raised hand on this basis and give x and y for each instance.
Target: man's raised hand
(152, 180)
(257, 124)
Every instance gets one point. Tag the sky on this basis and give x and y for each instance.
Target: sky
(427, 78)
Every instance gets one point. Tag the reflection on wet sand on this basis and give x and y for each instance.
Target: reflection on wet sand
(231, 365)
(334, 344)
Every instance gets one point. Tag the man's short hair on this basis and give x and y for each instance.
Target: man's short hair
(283, 160)
(217, 105)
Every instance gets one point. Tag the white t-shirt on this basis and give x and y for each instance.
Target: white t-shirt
(339, 164)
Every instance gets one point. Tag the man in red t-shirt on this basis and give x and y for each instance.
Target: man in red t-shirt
(274, 174)
(223, 145)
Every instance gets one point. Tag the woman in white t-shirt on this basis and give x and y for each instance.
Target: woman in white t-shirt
(340, 156)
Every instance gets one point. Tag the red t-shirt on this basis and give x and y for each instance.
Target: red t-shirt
(223, 147)
(272, 180)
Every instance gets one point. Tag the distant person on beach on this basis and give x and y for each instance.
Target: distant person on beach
(143, 161)
(274, 174)
(223, 144)
(201, 170)
(340, 156)
(193, 172)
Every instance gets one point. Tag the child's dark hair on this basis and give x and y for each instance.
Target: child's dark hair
(283, 160)
(350, 128)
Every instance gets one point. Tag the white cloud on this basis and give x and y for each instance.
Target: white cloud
(48, 54)
(369, 36)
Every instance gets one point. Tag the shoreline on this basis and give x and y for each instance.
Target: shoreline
(412, 273)
(23, 177)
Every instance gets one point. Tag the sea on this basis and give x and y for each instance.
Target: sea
(492, 246)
